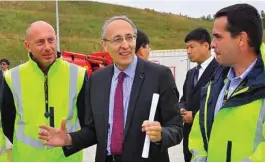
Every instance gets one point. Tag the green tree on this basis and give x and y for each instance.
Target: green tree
(203, 17)
(209, 17)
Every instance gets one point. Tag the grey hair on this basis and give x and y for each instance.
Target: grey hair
(107, 22)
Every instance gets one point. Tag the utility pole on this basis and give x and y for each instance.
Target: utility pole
(57, 27)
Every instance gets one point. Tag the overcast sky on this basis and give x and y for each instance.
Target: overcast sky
(192, 8)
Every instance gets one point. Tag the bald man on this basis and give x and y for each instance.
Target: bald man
(44, 90)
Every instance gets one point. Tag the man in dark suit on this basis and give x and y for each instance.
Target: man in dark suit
(118, 100)
(198, 48)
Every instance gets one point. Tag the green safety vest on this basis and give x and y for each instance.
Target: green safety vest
(243, 128)
(27, 82)
(3, 153)
(238, 132)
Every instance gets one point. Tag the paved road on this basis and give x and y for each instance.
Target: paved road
(175, 154)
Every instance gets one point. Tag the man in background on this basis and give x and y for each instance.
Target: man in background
(142, 48)
(198, 48)
(4, 67)
(4, 64)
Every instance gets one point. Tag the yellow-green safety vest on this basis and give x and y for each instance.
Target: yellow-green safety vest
(27, 84)
(3, 153)
(233, 135)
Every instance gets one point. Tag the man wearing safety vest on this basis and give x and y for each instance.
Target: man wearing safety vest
(231, 123)
(46, 89)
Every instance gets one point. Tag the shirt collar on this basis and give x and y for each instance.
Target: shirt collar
(206, 62)
(130, 71)
(231, 74)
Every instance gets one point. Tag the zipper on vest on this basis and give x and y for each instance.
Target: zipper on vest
(228, 151)
(48, 113)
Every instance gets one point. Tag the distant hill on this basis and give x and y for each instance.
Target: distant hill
(80, 25)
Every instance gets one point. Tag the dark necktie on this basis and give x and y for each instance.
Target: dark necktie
(196, 74)
(117, 128)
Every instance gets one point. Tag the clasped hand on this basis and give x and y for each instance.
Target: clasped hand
(153, 130)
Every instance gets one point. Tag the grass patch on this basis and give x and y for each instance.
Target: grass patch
(80, 25)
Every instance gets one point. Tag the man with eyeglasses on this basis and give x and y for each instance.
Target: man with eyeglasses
(142, 48)
(118, 101)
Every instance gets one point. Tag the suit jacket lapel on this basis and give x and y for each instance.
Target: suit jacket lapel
(1, 74)
(192, 78)
(105, 87)
(206, 74)
(136, 87)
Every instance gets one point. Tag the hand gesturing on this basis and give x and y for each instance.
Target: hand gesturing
(55, 137)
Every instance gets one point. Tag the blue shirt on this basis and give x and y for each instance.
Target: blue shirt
(234, 83)
(127, 86)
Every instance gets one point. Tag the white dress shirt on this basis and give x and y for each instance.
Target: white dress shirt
(204, 65)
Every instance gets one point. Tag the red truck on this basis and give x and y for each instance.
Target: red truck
(91, 62)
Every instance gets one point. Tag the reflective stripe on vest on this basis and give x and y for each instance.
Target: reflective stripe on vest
(2, 149)
(200, 159)
(3, 141)
(205, 116)
(72, 88)
(15, 76)
(196, 152)
(259, 138)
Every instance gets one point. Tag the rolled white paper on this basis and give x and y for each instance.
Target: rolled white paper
(145, 153)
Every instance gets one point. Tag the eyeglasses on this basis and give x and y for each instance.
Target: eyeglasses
(119, 40)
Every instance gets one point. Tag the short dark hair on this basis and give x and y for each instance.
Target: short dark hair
(141, 40)
(5, 60)
(244, 17)
(199, 34)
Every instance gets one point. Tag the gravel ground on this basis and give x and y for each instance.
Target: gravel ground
(175, 154)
